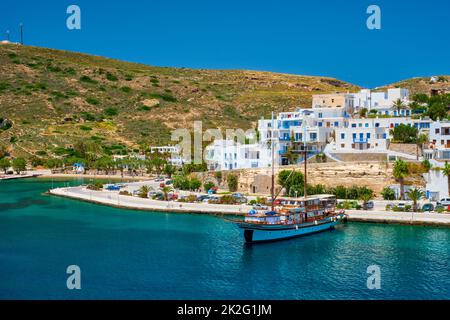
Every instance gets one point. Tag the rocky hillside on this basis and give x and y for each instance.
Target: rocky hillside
(422, 85)
(54, 98)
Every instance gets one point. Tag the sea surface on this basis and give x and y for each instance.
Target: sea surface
(126, 254)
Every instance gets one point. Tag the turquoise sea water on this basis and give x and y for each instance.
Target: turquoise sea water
(127, 254)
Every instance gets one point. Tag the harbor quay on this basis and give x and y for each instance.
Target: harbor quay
(112, 198)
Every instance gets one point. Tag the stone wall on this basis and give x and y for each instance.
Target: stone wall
(375, 175)
(409, 148)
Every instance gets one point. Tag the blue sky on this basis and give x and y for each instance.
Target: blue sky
(320, 37)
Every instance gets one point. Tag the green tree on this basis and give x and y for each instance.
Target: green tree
(169, 170)
(105, 163)
(420, 140)
(420, 98)
(292, 181)
(232, 181)
(181, 182)
(194, 184)
(437, 110)
(53, 163)
(388, 193)
(5, 164)
(400, 172)
(404, 133)
(415, 195)
(208, 186)
(158, 164)
(19, 165)
(446, 172)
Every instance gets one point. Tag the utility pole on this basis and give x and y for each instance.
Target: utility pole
(7, 35)
(21, 33)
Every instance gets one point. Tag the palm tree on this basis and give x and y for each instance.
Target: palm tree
(166, 190)
(400, 172)
(366, 197)
(446, 172)
(415, 195)
(143, 191)
(399, 105)
(420, 140)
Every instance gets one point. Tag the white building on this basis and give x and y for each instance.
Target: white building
(373, 133)
(174, 152)
(230, 155)
(380, 102)
(330, 122)
(439, 137)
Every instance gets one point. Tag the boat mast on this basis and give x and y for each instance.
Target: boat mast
(272, 190)
(305, 186)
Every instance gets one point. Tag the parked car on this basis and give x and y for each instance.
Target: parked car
(444, 202)
(172, 196)
(113, 188)
(206, 200)
(239, 198)
(169, 182)
(202, 198)
(259, 207)
(162, 185)
(427, 207)
(159, 180)
(401, 205)
(370, 205)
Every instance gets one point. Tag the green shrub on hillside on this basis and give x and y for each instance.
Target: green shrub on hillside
(111, 77)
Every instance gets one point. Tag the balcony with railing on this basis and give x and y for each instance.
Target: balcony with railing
(285, 138)
(360, 140)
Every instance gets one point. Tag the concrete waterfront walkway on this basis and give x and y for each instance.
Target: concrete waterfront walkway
(415, 218)
(112, 198)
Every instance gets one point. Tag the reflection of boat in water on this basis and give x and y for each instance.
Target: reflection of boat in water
(296, 216)
(292, 219)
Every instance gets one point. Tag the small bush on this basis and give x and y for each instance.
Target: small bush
(164, 96)
(111, 77)
(85, 128)
(92, 101)
(87, 79)
(110, 112)
(227, 199)
(96, 186)
(126, 89)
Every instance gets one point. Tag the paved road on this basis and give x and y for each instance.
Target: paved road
(114, 199)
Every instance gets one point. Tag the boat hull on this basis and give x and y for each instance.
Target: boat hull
(262, 233)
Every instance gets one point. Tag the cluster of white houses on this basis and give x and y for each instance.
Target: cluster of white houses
(332, 124)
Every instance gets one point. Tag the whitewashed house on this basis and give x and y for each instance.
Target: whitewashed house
(439, 137)
(230, 155)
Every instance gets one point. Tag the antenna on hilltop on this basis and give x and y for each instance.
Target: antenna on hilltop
(21, 33)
